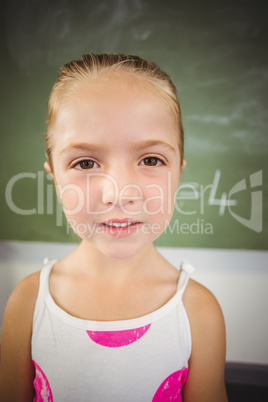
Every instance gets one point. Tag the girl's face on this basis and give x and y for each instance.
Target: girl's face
(116, 164)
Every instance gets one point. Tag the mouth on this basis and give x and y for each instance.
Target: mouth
(120, 227)
(120, 223)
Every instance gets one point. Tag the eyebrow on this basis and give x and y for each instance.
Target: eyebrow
(152, 143)
(135, 146)
(84, 146)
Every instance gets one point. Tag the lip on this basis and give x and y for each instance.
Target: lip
(124, 220)
(120, 231)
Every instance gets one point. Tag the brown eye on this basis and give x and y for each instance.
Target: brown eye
(86, 164)
(152, 161)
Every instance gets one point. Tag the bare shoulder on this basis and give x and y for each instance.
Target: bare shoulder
(205, 380)
(23, 297)
(16, 368)
(205, 316)
(200, 301)
(20, 308)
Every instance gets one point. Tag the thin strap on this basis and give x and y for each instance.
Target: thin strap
(186, 271)
(49, 261)
(43, 286)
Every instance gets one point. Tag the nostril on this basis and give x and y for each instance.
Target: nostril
(130, 193)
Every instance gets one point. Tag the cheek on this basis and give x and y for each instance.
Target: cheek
(73, 198)
(79, 191)
(159, 197)
(82, 200)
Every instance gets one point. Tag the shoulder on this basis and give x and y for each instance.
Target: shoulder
(16, 369)
(204, 313)
(207, 360)
(22, 299)
(19, 311)
(20, 306)
(200, 302)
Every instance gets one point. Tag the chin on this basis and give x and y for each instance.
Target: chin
(120, 251)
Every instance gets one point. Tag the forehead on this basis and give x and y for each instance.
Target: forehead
(114, 84)
(114, 104)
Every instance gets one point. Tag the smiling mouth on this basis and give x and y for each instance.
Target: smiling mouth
(117, 223)
(120, 228)
(120, 225)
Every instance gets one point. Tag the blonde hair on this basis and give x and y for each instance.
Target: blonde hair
(91, 67)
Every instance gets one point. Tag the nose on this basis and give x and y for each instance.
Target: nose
(121, 188)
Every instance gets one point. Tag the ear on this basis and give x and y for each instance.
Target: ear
(49, 171)
(181, 171)
(48, 168)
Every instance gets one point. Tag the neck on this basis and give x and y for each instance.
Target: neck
(92, 262)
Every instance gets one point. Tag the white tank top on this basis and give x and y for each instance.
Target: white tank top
(143, 359)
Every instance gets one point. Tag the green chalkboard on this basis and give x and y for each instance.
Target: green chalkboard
(216, 54)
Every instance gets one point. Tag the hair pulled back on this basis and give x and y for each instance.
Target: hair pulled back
(90, 67)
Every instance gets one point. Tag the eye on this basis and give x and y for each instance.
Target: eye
(85, 164)
(152, 161)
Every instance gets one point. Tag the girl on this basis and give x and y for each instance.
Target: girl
(113, 321)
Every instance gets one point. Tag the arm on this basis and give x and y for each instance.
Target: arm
(205, 381)
(16, 368)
